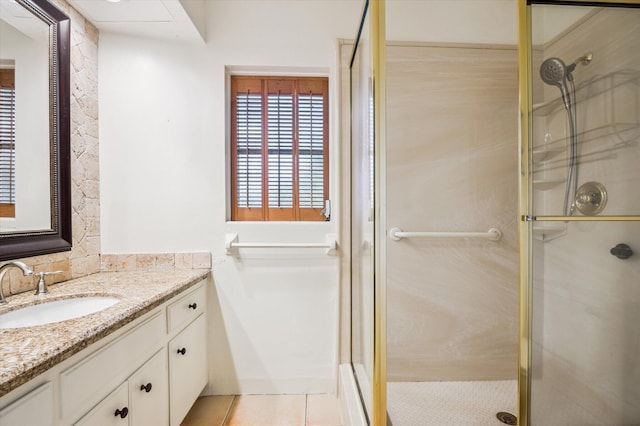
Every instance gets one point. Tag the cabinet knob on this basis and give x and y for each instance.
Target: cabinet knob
(146, 388)
(193, 305)
(122, 413)
(182, 351)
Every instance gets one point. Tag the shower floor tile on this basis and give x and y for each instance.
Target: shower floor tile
(450, 403)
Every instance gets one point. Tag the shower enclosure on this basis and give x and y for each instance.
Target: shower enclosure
(443, 161)
(494, 256)
(580, 360)
(451, 182)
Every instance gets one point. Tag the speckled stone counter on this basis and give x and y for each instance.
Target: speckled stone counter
(27, 352)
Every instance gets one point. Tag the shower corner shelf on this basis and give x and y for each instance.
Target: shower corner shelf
(546, 184)
(595, 86)
(624, 132)
(547, 231)
(545, 153)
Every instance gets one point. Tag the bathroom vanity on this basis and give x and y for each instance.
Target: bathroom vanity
(142, 361)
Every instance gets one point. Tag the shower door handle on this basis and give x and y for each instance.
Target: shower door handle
(621, 251)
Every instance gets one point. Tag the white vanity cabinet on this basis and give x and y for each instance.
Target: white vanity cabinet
(111, 411)
(91, 379)
(149, 392)
(187, 352)
(34, 408)
(150, 372)
(142, 400)
(187, 368)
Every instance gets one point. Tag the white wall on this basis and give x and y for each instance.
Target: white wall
(163, 179)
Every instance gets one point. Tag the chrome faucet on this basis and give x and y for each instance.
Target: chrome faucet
(3, 270)
(41, 287)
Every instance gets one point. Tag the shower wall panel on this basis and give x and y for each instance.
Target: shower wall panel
(608, 111)
(452, 155)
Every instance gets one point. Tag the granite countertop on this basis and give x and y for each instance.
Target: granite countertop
(27, 352)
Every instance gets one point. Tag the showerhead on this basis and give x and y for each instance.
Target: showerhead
(554, 72)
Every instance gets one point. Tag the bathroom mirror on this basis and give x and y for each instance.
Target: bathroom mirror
(35, 169)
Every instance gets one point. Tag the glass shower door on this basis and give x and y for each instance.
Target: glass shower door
(362, 297)
(582, 215)
(368, 314)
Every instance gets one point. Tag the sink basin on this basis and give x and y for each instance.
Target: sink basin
(55, 311)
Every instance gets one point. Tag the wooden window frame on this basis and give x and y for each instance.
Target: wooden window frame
(266, 85)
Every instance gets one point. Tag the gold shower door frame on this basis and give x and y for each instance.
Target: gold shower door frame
(525, 212)
(378, 59)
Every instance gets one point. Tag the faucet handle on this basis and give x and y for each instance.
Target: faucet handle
(42, 285)
(48, 273)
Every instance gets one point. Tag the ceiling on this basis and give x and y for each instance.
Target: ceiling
(165, 19)
(22, 20)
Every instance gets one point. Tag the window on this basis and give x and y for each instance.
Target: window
(279, 148)
(7, 143)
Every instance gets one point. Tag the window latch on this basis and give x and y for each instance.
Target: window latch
(327, 210)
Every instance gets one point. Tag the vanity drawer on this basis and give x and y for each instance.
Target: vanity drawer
(186, 309)
(87, 382)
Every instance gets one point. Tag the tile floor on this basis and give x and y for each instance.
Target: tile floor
(265, 410)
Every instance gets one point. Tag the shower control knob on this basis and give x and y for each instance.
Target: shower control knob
(621, 251)
(586, 198)
(591, 198)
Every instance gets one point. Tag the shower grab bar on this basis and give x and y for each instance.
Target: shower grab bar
(232, 243)
(397, 234)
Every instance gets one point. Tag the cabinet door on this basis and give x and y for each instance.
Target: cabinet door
(149, 392)
(111, 411)
(89, 380)
(187, 368)
(35, 408)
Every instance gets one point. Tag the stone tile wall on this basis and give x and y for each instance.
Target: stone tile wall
(155, 261)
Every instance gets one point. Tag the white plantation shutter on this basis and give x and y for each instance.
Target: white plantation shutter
(280, 143)
(311, 150)
(7, 144)
(279, 148)
(249, 149)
